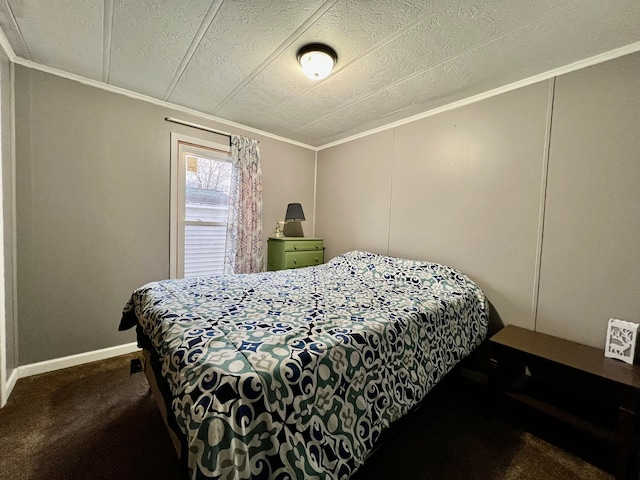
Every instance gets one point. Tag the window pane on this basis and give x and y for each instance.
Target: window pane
(207, 182)
(204, 250)
(205, 212)
(201, 174)
(207, 189)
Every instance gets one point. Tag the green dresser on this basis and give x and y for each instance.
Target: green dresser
(294, 252)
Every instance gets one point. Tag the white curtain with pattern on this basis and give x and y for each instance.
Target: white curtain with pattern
(244, 252)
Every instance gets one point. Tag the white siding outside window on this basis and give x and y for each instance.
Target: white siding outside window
(200, 178)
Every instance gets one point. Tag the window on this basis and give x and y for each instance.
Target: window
(200, 183)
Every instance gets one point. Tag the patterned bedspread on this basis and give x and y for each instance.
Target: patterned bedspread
(295, 374)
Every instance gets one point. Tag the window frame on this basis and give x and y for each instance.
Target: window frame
(179, 144)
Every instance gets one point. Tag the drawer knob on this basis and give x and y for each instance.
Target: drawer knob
(295, 261)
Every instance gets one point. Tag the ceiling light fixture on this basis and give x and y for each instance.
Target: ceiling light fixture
(317, 60)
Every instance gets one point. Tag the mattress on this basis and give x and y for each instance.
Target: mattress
(297, 373)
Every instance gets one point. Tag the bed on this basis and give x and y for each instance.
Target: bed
(297, 373)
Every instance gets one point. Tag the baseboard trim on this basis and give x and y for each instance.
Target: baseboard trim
(74, 360)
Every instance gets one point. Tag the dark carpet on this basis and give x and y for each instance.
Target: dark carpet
(96, 421)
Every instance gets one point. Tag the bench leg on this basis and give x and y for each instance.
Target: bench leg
(626, 441)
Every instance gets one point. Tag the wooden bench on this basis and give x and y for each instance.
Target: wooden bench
(571, 382)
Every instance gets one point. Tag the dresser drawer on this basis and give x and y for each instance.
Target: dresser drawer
(303, 259)
(304, 245)
(294, 252)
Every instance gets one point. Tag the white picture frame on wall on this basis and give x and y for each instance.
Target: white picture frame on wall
(621, 340)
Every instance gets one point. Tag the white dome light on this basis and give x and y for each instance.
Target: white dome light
(317, 60)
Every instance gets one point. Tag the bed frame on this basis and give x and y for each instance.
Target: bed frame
(162, 406)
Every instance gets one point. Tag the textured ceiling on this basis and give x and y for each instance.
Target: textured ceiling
(236, 60)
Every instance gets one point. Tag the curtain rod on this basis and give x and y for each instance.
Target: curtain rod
(195, 125)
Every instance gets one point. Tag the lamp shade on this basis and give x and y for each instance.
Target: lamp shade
(317, 60)
(294, 212)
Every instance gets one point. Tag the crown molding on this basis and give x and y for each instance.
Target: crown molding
(6, 46)
(155, 101)
(580, 64)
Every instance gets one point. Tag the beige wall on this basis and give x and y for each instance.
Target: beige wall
(288, 174)
(93, 207)
(467, 188)
(460, 188)
(353, 192)
(590, 268)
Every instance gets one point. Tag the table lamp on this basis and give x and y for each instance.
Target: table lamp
(292, 219)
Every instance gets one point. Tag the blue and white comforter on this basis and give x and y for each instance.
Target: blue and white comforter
(295, 374)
